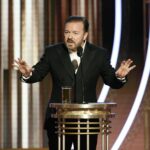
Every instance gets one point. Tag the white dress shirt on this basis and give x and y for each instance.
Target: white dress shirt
(73, 56)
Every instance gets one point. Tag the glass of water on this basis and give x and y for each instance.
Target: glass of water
(66, 92)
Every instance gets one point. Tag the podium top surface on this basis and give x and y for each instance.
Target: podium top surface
(84, 111)
(82, 106)
(90, 110)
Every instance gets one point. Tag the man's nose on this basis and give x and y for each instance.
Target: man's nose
(70, 36)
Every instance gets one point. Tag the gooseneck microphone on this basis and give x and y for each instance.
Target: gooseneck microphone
(75, 64)
(80, 54)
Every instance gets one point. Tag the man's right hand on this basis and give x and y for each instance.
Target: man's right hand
(23, 67)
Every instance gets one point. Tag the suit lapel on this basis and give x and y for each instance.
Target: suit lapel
(64, 57)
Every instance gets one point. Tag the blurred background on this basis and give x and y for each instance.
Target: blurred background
(28, 26)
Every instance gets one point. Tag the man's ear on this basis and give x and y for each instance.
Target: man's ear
(85, 35)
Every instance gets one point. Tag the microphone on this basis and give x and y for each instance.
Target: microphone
(79, 51)
(75, 64)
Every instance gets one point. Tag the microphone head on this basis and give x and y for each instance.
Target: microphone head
(75, 64)
(79, 51)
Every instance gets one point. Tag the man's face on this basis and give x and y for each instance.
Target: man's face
(74, 35)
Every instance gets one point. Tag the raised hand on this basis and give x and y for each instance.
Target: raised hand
(23, 67)
(125, 68)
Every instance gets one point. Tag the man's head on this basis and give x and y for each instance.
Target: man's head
(75, 32)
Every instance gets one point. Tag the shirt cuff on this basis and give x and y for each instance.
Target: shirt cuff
(123, 80)
(26, 78)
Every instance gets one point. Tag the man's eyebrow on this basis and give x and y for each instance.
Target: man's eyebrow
(76, 32)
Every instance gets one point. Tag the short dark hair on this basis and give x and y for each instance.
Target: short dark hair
(79, 18)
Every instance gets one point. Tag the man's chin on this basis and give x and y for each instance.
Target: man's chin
(71, 47)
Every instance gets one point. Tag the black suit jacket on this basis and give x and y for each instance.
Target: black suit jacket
(95, 63)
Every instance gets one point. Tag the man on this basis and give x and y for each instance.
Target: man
(91, 62)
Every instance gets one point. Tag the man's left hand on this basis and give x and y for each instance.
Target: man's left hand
(125, 68)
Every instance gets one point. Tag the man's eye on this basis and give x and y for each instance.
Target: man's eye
(76, 33)
(66, 32)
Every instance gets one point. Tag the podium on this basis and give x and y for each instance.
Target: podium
(83, 119)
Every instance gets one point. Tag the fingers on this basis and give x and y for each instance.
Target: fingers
(16, 67)
(19, 63)
(132, 67)
(127, 63)
(16, 64)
